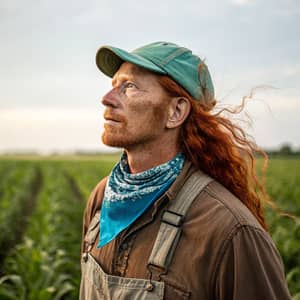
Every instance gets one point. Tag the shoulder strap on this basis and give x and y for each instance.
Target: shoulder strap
(172, 220)
(93, 229)
(91, 235)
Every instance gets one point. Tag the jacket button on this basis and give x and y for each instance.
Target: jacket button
(85, 256)
(149, 287)
(124, 246)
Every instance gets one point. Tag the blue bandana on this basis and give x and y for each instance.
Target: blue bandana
(127, 196)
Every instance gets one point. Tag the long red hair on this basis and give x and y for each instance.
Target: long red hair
(221, 149)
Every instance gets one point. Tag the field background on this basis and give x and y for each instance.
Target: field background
(41, 206)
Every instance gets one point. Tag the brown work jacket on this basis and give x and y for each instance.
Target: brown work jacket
(223, 252)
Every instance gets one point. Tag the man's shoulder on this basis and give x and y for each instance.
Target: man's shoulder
(216, 217)
(95, 199)
(222, 210)
(221, 199)
(214, 200)
(220, 214)
(99, 188)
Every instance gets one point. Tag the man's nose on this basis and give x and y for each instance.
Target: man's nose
(111, 98)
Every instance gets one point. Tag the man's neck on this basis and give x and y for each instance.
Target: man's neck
(140, 161)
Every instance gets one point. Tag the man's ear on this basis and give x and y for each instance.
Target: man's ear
(179, 109)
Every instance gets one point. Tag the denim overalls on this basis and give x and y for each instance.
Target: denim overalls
(96, 284)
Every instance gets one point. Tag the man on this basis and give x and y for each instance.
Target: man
(178, 217)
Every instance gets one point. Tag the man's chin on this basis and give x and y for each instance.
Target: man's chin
(113, 141)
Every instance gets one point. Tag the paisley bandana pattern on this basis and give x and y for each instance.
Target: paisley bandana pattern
(127, 196)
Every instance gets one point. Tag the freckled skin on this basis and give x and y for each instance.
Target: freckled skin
(139, 104)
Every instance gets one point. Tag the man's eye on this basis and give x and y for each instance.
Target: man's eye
(130, 85)
(127, 85)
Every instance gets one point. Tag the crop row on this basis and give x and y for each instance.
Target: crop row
(87, 173)
(17, 190)
(46, 265)
(283, 185)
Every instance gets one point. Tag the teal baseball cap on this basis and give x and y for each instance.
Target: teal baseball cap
(179, 63)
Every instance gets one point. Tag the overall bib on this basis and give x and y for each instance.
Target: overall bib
(96, 284)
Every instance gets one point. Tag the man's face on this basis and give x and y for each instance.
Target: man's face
(136, 109)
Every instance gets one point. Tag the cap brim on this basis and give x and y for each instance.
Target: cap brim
(109, 60)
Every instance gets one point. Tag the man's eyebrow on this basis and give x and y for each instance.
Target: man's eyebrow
(122, 78)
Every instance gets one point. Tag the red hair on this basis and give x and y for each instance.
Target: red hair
(221, 149)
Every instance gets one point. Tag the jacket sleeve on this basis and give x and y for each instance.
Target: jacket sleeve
(250, 268)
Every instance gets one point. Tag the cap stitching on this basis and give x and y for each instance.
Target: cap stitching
(173, 55)
(155, 63)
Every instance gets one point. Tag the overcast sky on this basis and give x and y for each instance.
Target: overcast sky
(50, 88)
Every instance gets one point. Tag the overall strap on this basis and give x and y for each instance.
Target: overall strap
(93, 228)
(91, 235)
(172, 220)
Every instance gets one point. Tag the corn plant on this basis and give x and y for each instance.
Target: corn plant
(283, 185)
(47, 264)
(17, 196)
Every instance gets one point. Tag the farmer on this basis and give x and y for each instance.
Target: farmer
(178, 216)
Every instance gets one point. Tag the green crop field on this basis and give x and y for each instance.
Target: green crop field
(41, 208)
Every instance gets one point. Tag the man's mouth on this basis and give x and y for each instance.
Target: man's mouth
(111, 120)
